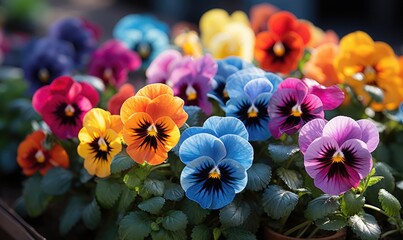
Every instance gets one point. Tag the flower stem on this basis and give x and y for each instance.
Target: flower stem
(299, 226)
(376, 209)
(160, 166)
(303, 231)
(389, 233)
(313, 233)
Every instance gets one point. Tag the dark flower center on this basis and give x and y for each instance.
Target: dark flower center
(144, 49)
(67, 113)
(101, 148)
(252, 115)
(214, 178)
(151, 134)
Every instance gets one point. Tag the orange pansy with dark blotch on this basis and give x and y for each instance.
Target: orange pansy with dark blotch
(32, 156)
(368, 66)
(151, 122)
(281, 47)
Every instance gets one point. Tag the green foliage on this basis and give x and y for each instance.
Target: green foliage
(195, 214)
(239, 234)
(259, 176)
(91, 215)
(351, 203)
(175, 220)
(135, 225)
(365, 226)
(281, 153)
(194, 115)
(107, 192)
(154, 187)
(201, 232)
(235, 213)
(121, 162)
(278, 202)
(57, 181)
(389, 203)
(71, 215)
(321, 206)
(152, 205)
(126, 198)
(173, 191)
(163, 234)
(35, 199)
(331, 223)
(387, 182)
(132, 180)
(290, 177)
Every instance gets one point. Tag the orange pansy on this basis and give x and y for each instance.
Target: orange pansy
(115, 102)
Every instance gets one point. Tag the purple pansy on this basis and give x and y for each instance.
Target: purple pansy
(80, 33)
(161, 67)
(297, 102)
(337, 154)
(191, 81)
(112, 61)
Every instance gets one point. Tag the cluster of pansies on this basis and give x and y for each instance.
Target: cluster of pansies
(243, 118)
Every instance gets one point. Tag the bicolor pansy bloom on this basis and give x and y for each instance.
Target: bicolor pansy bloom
(151, 122)
(112, 63)
(100, 140)
(33, 156)
(47, 60)
(297, 102)
(63, 104)
(143, 34)
(337, 154)
(217, 157)
(225, 68)
(249, 91)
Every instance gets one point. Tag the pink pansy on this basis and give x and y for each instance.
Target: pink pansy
(112, 62)
(63, 104)
(297, 102)
(337, 154)
(161, 67)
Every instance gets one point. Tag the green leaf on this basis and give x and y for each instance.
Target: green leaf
(164, 234)
(259, 176)
(331, 223)
(121, 162)
(152, 205)
(85, 176)
(281, 153)
(202, 232)
(322, 206)
(235, 213)
(131, 180)
(216, 233)
(35, 199)
(126, 198)
(173, 191)
(91, 215)
(278, 202)
(365, 226)
(175, 221)
(107, 192)
(387, 183)
(135, 225)
(193, 211)
(57, 181)
(239, 234)
(154, 187)
(374, 180)
(194, 113)
(290, 177)
(351, 203)
(389, 203)
(71, 214)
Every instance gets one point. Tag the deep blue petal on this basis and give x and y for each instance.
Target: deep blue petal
(233, 175)
(238, 149)
(202, 144)
(196, 172)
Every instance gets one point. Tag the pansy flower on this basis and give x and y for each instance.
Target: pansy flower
(337, 154)
(63, 104)
(32, 156)
(249, 92)
(100, 141)
(297, 102)
(191, 81)
(115, 102)
(47, 60)
(281, 48)
(143, 34)
(162, 66)
(225, 68)
(151, 121)
(216, 157)
(189, 44)
(259, 15)
(231, 37)
(112, 62)
(370, 67)
(82, 35)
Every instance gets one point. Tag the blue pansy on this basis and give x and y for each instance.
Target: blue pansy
(46, 60)
(396, 115)
(250, 91)
(226, 67)
(215, 167)
(144, 34)
(78, 34)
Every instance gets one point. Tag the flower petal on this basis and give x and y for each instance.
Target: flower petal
(238, 149)
(342, 128)
(309, 132)
(357, 156)
(193, 131)
(202, 144)
(167, 105)
(257, 86)
(154, 90)
(370, 134)
(98, 118)
(132, 105)
(226, 125)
